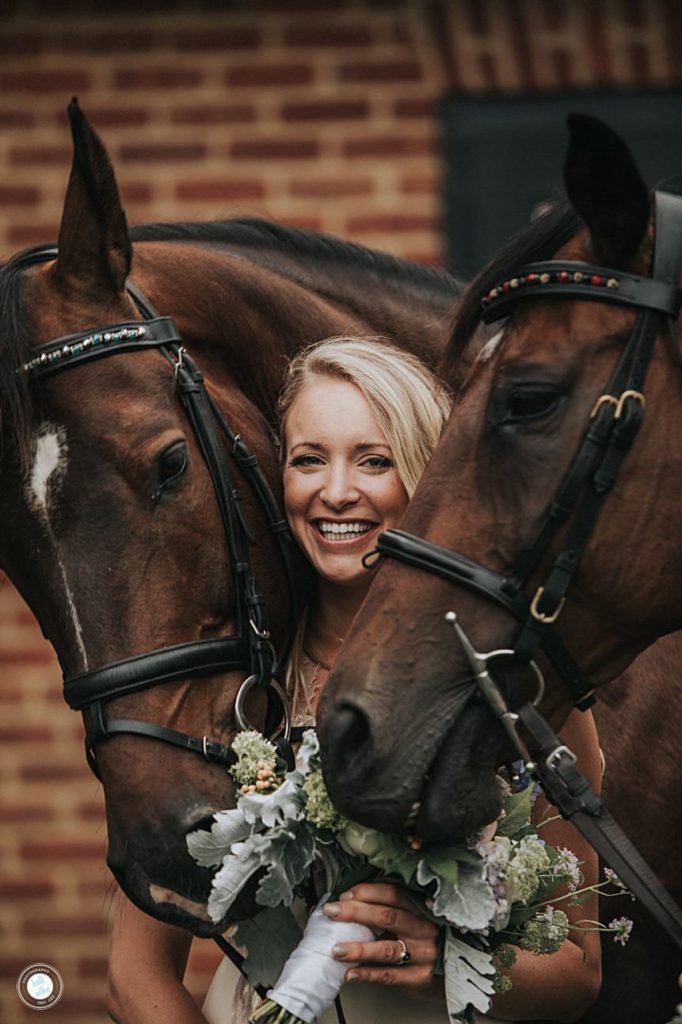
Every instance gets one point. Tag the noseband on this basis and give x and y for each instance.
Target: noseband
(250, 648)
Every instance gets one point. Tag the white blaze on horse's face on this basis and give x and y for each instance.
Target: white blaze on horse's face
(47, 471)
(490, 347)
(49, 462)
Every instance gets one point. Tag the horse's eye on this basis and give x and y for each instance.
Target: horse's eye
(530, 403)
(172, 465)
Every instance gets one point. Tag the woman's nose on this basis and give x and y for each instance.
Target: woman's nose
(339, 489)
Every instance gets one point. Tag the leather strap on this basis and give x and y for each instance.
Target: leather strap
(461, 571)
(568, 789)
(572, 280)
(165, 665)
(76, 349)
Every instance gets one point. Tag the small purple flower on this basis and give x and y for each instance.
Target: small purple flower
(621, 928)
(567, 866)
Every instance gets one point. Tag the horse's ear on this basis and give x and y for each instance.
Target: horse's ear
(607, 190)
(94, 246)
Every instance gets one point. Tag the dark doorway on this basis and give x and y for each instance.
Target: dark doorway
(503, 157)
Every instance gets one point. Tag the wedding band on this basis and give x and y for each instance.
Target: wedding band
(404, 957)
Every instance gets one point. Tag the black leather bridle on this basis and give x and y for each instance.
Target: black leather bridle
(613, 426)
(250, 649)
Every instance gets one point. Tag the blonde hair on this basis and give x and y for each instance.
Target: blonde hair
(409, 403)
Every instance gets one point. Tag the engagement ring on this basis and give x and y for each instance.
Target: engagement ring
(404, 954)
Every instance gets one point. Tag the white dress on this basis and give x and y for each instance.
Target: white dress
(230, 1001)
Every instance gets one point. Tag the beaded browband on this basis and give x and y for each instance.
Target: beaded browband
(88, 345)
(571, 279)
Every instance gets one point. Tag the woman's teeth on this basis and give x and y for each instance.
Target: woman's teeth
(343, 531)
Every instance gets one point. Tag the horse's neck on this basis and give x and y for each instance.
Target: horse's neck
(247, 313)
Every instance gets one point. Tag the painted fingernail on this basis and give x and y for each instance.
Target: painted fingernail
(352, 976)
(331, 909)
(339, 951)
(346, 895)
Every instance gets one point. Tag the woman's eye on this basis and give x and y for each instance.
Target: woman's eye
(378, 462)
(172, 466)
(526, 404)
(305, 460)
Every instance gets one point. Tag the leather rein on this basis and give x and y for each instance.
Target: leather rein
(613, 426)
(250, 649)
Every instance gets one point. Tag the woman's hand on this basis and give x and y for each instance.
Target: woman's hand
(386, 908)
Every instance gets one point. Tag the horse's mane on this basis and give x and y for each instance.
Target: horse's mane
(15, 403)
(258, 237)
(254, 233)
(538, 241)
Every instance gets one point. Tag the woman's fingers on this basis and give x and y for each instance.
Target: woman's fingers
(379, 892)
(383, 918)
(388, 951)
(386, 908)
(417, 976)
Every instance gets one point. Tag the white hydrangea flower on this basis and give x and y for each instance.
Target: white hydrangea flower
(528, 862)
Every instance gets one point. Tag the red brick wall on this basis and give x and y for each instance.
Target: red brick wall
(315, 112)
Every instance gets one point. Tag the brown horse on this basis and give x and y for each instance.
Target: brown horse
(110, 526)
(520, 415)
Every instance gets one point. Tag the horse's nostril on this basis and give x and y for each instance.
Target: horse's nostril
(349, 745)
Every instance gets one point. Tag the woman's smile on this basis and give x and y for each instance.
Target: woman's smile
(342, 532)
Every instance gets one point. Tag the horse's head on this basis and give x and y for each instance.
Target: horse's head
(541, 480)
(113, 534)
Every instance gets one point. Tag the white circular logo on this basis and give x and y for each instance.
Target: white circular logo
(40, 986)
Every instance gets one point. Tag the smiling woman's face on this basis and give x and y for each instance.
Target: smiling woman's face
(341, 488)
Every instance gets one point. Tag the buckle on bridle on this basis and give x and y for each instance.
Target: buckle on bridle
(554, 758)
(179, 363)
(637, 396)
(262, 634)
(547, 618)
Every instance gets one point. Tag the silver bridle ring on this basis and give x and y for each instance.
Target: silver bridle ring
(533, 666)
(405, 955)
(241, 719)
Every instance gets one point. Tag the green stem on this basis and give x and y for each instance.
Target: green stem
(578, 892)
(546, 821)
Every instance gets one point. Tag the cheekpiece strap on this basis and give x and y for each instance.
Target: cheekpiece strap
(583, 281)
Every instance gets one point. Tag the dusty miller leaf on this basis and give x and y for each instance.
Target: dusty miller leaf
(280, 807)
(289, 855)
(469, 977)
(209, 848)
(269, 938)
(308, 750)
(230, 880)
(468, 905)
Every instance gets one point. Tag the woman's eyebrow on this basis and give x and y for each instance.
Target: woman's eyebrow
(308, 444)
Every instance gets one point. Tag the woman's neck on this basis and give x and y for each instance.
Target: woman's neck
(330, 619)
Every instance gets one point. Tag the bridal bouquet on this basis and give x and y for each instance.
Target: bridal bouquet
(489, 895)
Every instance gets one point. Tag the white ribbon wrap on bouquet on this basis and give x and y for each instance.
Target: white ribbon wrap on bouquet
(311, 978)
